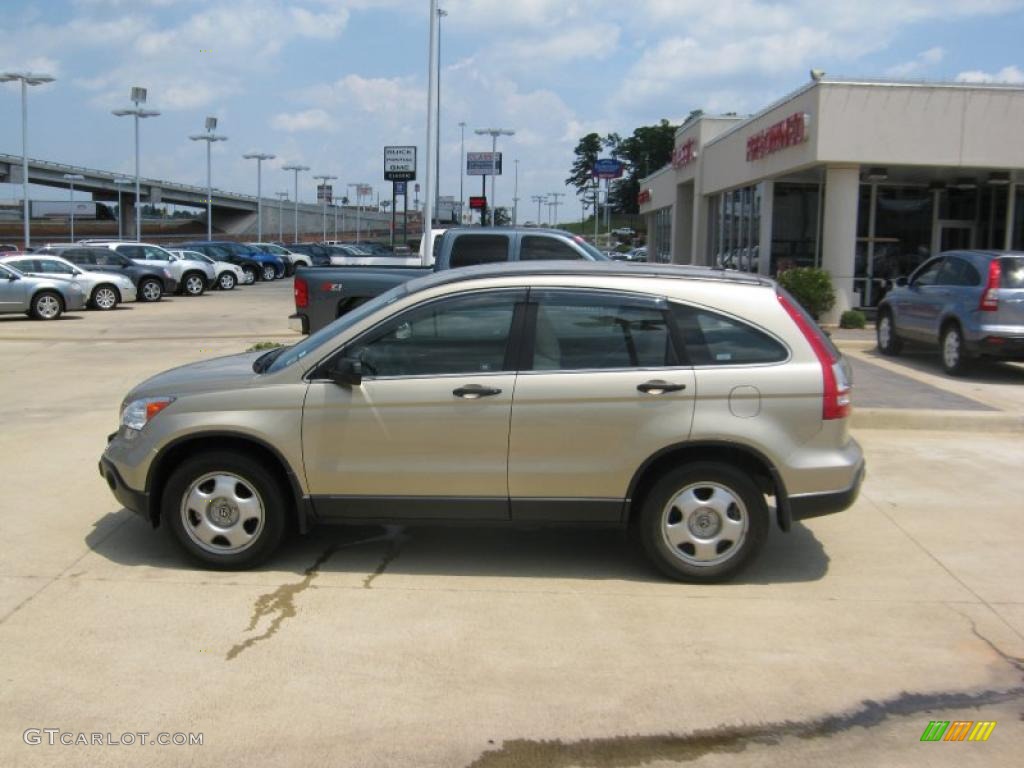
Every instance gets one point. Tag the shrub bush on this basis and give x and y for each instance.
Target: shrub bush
(812, 287)
(852, 318)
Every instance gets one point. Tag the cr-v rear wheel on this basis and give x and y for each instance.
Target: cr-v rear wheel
(703, 522)
(955, 360)
(225, 510)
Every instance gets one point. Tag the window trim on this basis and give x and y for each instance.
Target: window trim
(512, 351)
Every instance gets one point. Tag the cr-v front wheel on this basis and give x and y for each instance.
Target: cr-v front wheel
(225, 509)
(703, 522)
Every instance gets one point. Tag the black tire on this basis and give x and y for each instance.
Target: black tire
(193, 284)
(268, 272)
(955, 359)
(885, 333)
(105, 298)
(47, 305)
(252, 475)
(721, 485)
(150, 289)
(226, 281)
(250, 274)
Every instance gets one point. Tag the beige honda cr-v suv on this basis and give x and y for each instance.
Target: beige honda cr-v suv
(696, 406)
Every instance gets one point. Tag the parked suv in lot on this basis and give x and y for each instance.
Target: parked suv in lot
(674, 399)
(969, 304)
(193, 277)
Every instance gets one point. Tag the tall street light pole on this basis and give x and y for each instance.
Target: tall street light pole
(432, 131)
(295, 167)
(539, 200)
(441, 13)
(71, 178)
(209, 137)
(494, 133)
(324, 178)
(515, 197)
(120, 185)
(138, 97)
(259, 157)
(282, 196)
(462, 168)
(555, 203)
(27, 79)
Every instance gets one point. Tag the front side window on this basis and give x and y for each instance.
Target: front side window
(468, 250)
(464, 334)
(711, 338)
(588, 330)
(156, 254)
(52, 267)
(928, 274)
(535, 248)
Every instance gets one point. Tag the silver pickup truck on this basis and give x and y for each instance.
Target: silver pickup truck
(323, 294)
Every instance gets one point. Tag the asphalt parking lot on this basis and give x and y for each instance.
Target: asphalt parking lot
(463, 647)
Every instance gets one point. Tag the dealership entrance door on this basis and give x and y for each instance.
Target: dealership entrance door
(953, 235)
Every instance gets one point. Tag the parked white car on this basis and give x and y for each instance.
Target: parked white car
(291, 259)
(227, 275)
(103, 290)
(193, 277)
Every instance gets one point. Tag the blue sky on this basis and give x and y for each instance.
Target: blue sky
(329, 82)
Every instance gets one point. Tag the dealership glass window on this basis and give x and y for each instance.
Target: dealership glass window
(795, 226)
(1018, 220)
(735, 228)
(900, 241)
(662, 235)
(992, 216)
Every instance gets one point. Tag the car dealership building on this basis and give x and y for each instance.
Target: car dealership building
(865, 179)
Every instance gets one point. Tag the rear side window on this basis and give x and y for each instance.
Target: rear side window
(1012, 271)
(711, 338)
(131, 251)
(959, 272)
(468, 250)
(25, 265)
(594, 330)
(535, 248)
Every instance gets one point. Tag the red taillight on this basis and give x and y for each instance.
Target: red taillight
(989, 299)
(301, 293)
(836, 389)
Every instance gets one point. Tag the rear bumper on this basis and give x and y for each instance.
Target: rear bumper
(299, 322)
(818, 504)
(1005, 347)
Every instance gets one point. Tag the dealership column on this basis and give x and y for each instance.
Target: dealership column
(839, 233)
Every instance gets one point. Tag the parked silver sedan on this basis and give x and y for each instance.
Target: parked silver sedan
(42, 298)
(104, 290)
(228, 275)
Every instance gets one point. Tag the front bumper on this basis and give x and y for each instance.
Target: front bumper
(136, 501)
(299, 322)
(818, 504)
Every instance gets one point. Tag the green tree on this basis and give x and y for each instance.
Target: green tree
(588, 149)
(502, 217)
(647, 150)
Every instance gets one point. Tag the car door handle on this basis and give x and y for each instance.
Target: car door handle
(659, 387)
(475, 392)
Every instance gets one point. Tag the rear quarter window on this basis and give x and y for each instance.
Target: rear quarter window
(468, 250)
(1012, 271)
(711, 338)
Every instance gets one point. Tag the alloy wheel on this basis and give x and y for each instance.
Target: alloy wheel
(222, 513)
(705, 523)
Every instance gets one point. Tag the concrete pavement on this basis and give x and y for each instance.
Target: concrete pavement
(457, 647)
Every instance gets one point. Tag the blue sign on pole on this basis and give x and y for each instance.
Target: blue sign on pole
(608, 168)
(399, 187)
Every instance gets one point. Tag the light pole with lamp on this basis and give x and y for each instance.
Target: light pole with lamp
(324, 178)
(209, 137)
(138, 97)
(462, 168)
(295, 167)
(515, 197)
(282, 196)
(359, 208)
(27, 79)
(71, 178)
(539, 200)
(494, 133)
(259, 157)
(441, 13)
(120, 182)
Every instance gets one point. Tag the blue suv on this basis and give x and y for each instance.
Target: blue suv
(271, 266)
(969, 304)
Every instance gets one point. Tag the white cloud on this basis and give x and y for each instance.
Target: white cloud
(919, 64)
(588, 41)
(1009, 74)
(309, 120)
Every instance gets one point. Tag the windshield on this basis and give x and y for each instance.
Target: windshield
(594, 253)
(327, 334)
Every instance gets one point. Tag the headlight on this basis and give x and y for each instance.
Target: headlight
(138, 413)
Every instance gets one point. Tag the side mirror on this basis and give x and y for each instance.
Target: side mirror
(346, 372)
(11, 277)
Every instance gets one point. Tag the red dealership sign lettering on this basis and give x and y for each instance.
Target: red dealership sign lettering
(684, 154)
(643, 197)
(785, 133)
